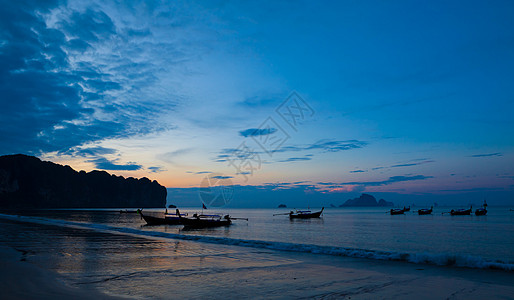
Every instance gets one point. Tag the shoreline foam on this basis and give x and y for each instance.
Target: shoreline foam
(452, 260)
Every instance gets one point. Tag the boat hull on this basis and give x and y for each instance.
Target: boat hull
(200, 223)
(480, 212)
(425, 212)
(460, 212)
(152, 221)
(306, 215)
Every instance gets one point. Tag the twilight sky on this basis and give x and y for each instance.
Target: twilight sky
(404, 97)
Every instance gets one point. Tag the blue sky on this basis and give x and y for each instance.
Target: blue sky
(408, 98)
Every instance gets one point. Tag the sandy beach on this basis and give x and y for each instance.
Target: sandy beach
(166, 269)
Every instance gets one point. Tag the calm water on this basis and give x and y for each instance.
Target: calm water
(471, 241)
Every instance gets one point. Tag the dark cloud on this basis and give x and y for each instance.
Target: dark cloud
(412, 164)
(222, 177)
(257, 132)
(203, 172)
(292, 159)
(488, 154)
(336, 146)
(358, 171)
(105, 164)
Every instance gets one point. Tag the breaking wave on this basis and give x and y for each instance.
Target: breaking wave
(417, 258)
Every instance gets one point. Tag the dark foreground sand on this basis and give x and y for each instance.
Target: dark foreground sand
(164, 269)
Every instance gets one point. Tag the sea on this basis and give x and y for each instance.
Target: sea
(480, 242)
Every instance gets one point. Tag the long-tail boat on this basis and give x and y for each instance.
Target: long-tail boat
(397, 211)
(461, 212)
(425, 211)
(305, 214)
(482, 211)
(150, 220)
(205, 221)
(168, 219)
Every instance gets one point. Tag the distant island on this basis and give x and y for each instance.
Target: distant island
(28, 182)
(282, 206)
(366, 200)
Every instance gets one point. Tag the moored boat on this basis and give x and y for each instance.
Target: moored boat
(482, 211)
(205, 221)
(150, 220)
(305, 214)
(461, 212)
(397, 211)
(406, 208)
(425, 211)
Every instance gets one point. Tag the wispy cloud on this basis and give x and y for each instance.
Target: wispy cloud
(488, 154)
(326, 146)
(172, 155)
(391, 180)
(321, 146)
(257, 132)
(156, 169)
(293, 159)
(357, 171)
(222, 177)
(412, 164)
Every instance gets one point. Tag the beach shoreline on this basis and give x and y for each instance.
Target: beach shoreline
(20, 279)
(157, 268)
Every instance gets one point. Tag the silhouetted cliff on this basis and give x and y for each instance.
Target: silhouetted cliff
(28, 182)
(366, 200)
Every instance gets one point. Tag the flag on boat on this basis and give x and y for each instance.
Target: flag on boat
(203, 206)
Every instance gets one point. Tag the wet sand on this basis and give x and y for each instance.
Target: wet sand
(135, 267)
(22, 280)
